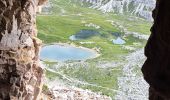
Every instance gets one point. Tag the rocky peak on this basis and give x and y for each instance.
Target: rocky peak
(141, 8)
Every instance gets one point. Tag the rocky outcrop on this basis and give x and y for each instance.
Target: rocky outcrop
(72, 93)
(156, 69)
(141, 8)
(20, 73)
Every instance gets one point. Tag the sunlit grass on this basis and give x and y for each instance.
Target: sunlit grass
(58, 27)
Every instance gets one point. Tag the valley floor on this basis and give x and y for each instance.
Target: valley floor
(131, 84)
(116, 72)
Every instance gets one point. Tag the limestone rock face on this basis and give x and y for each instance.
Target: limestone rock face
(140, 8)
(156, 69)
(20, 73)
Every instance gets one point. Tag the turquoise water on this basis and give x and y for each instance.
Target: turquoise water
(119, 41)
(65, 53)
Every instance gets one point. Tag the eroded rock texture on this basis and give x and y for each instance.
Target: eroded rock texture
(156, 69)
(20, 73)
(140, 8)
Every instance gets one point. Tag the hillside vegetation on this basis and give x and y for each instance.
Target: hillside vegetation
(64, 18)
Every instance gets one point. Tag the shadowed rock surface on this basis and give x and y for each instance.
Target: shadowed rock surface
(156, 69)
(20, 73)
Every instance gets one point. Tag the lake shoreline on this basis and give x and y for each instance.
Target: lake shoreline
(94, 51)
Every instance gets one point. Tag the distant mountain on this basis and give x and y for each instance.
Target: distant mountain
(141, 8)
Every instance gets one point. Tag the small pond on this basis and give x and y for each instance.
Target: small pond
(116, 34)
(119, 41)
(84, 34)
(66, 52)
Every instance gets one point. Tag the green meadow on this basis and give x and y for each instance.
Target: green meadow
(66, 19)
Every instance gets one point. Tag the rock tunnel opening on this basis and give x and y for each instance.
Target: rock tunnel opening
(21, 74)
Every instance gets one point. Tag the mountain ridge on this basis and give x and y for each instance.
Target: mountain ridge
(140, 8)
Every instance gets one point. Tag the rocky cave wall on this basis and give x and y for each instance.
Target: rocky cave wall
(156, 69)
(20, 73)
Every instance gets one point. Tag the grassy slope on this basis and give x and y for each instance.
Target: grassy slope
(58, 28)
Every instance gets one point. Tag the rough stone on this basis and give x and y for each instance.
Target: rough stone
(21, 76)
(156, 69)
